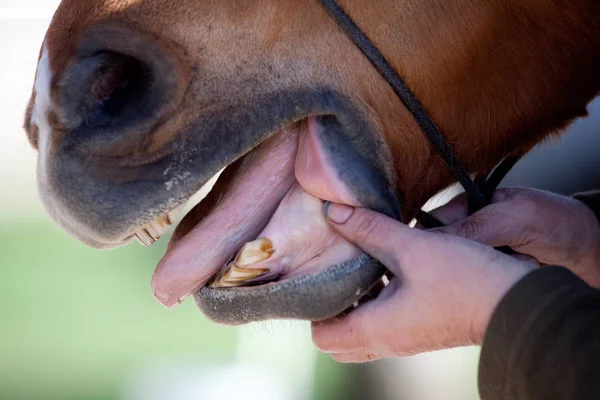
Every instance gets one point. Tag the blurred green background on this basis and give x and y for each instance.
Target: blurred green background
(81, 324)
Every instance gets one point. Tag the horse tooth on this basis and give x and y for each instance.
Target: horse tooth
(175, 214)
(158, 227)
(254, 252)
(235, 276)
(153, 231)
(240, 274)
(144, 237)
(236, 273)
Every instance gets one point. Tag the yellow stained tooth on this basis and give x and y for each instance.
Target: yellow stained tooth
(159, 226)
(236, 273)
(144, 237)
(154, 230)
(255, 252)
(173, 215)
(239, 274)
(234, 276)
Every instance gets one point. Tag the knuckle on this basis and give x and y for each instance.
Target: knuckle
(367, 227)
(470, 228)
(529, 201)
(501, 195)
(509, 194)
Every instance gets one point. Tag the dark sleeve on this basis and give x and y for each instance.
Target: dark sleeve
(543, 342)
(591, 199)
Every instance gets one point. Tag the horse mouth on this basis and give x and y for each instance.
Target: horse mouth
(257, 246)
(262, 222)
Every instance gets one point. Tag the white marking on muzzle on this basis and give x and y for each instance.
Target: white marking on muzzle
(41, 108)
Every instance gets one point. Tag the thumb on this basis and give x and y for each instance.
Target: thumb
(377, 235)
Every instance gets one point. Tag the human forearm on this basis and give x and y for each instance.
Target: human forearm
(542, 342)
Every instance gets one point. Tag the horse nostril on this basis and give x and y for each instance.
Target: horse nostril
(104, 89)
(114, 92)
(111, 77)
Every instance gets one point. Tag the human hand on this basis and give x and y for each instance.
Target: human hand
(553, 229)
(443, 294)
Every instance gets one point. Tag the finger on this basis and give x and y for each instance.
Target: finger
(506, 194)
(491, 226)
(356, 358)
(457, 209)
(339, 335)
(380, 236)
(453, 211)
(356, 331)
(527, 259)
(373, 293)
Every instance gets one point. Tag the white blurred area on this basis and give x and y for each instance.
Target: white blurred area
(273, 360)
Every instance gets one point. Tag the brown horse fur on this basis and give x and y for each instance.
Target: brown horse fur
(497, 76)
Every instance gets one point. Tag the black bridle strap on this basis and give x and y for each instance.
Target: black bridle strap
(492, 182)
(477, 199)
(487, 185)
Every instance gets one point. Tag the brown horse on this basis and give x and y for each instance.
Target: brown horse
(137, 104)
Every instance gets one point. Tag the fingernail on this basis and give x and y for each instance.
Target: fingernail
(337, 213)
